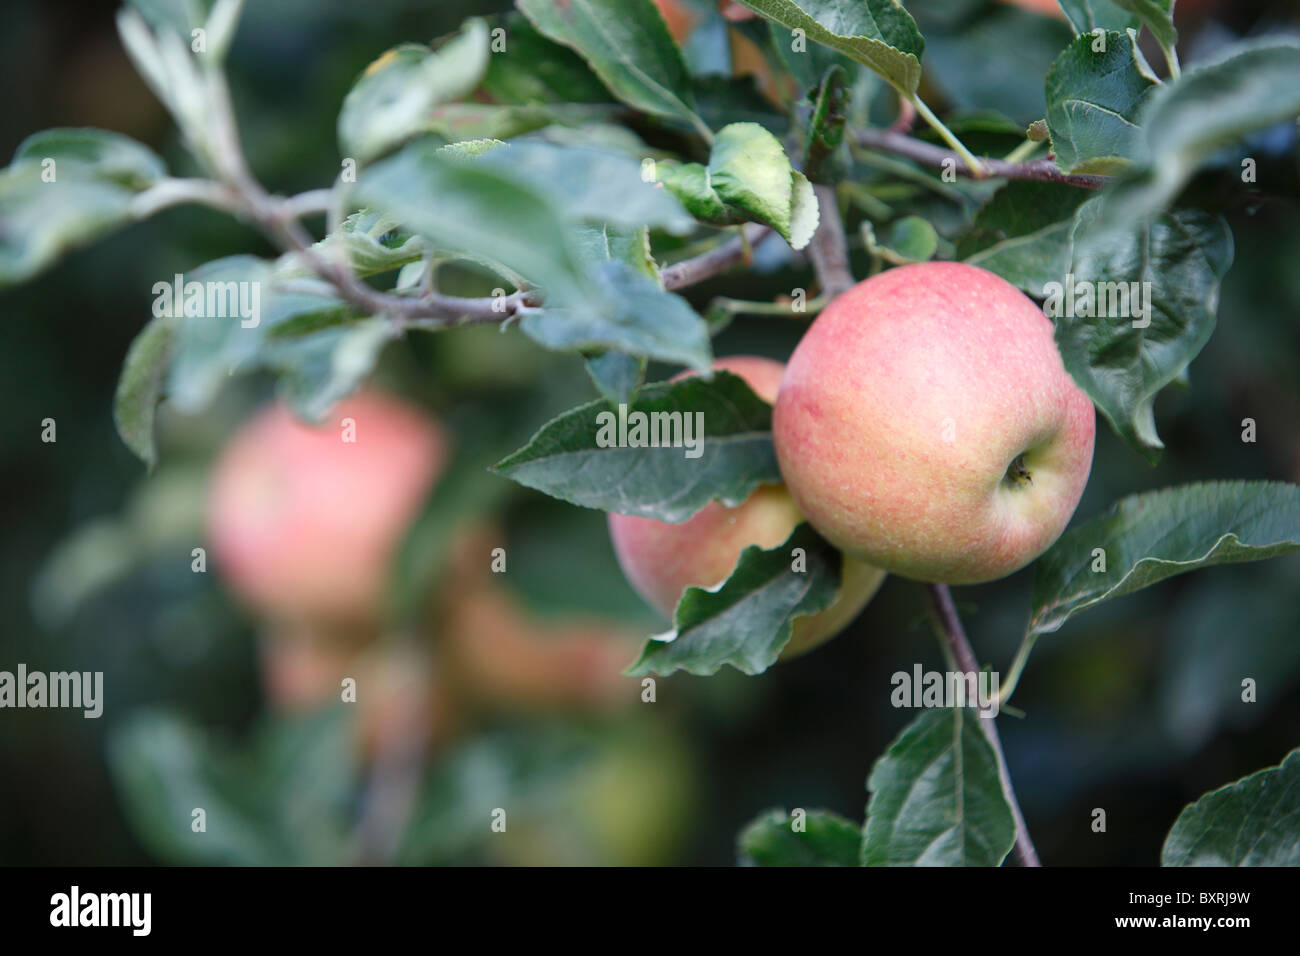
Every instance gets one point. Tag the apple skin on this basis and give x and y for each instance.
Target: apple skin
(661, 559)
(304, 525)
(904, 407)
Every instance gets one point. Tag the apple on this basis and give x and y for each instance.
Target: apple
(925, 424)
(661, 560)
(304, 522)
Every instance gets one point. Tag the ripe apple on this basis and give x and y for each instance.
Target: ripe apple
(661, 559)
(925, 424)
(303, 522)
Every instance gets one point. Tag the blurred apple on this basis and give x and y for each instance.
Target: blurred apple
(304, 521)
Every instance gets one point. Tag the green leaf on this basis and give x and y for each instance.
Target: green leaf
(748, 620)
(1126, 356)
(570, 459)
(628, 44)
(470, 121)
(95, 154)
(313, 340)
(879, 34)
(936, 798)
(472, 208)
(318, 370)
(1093, 99)
(1085, 16)
(617, 375)
(282, 798)
(83, 192)
(912, 239)
(1157, 16)
(749, 171)
(533, 69)
(629, 312)
(825, 133)
(690, 183)
(591, 185)
(140, 387)
(391, 101)
(1253, 822)
(1023, 234)
(1149, 537)
(826, 839)
(529, 770)
(370, 241)
(1185, 123)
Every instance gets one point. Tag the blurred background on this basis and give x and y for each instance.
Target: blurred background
(506, 685)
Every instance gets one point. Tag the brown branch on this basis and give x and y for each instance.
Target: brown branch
(829, 250)
(1042, 170)
(959, 644)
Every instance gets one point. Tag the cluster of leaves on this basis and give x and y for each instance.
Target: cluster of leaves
(529, 162)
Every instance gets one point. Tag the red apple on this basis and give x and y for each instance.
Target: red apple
(304, 522)
(926, 425)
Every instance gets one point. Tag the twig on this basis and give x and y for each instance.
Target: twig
(829, 250)
(927, 154)
(946, 612)
(716, 260)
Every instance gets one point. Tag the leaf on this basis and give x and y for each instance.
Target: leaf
(1253, 822)
(936, 798)
(50, 208)
(282, 798)
(690, 183)
(1126, 356)
(1157, 16)
(629, 312)
(565, 459)
(1149, 537)
(747, 620)
(1023, 234)
(533, 69)
(320, 369)
(825, 133)
(140, 387)
(472, 208)
(628, 44)
(879, 34)
(591, 185)
(749, 171)
(826, 840)
(529, 770)
(913, 239)
(1185, 123)
(617, 375)
(1093, 99)
(370, 241)
(392, 100)
(97, 154)
(1085, 16)
(470, 121)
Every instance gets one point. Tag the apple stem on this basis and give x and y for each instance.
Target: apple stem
(960, 647)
